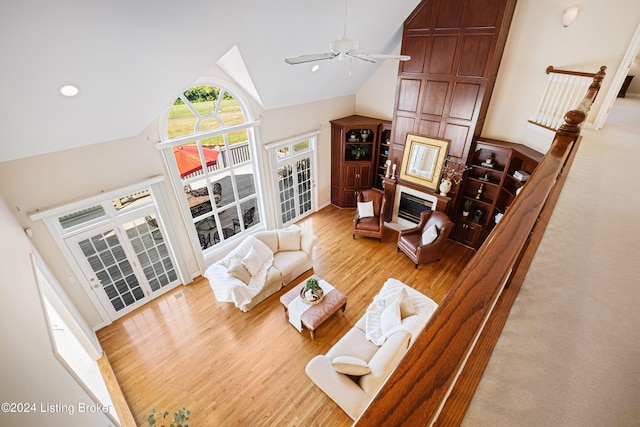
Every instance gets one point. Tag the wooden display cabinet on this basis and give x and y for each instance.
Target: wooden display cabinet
(354, 156)
(384, 152)
(490, 187)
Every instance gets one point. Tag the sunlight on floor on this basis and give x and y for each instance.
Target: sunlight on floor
(70, 349)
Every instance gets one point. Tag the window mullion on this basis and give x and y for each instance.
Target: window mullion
(180, 140)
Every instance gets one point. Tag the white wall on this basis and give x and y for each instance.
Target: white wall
(283, 123)
(50, 180)
(537, 39)
(634, 87)
(377, 97)
(28, 370)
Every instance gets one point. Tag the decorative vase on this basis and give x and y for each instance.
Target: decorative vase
(311, 293)
(311, 296)
(445, 187)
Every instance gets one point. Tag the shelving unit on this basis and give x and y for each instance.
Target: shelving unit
(491, 188)
(384, 151)
(354, 150)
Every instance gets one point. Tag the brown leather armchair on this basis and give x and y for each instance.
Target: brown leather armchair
(372, 226)
(410, 241)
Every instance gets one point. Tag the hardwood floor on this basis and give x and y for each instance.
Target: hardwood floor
(233, 368)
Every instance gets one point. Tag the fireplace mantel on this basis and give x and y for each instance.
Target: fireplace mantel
(393, 189)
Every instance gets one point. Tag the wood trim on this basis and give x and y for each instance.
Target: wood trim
(418, 390)
(423, 380)
(115, 392)
(550, 70)
(456, 405)
(542, 126)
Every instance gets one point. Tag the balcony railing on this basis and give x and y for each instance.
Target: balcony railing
(564, 92)
(237, 153)
(435, 381)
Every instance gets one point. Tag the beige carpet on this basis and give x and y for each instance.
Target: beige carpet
(570, 352)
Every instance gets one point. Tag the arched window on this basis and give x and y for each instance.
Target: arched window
(210, 150)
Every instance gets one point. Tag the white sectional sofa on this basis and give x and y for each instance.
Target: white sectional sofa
(354, 369)
(261, 265)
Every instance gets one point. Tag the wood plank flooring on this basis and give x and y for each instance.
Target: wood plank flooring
(233, 368)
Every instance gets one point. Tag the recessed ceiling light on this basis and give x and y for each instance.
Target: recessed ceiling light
(315, 68)
(69, 90)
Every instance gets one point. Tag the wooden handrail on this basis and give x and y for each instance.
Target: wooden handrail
(551, 69)
(418, 389)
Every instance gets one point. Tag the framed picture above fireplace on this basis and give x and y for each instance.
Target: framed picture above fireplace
(423, 159)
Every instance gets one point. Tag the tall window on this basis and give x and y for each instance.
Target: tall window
(209, 142)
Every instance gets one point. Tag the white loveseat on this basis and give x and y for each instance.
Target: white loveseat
(261, 265)
(354, 369)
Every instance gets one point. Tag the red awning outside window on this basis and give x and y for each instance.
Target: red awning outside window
(188, 158)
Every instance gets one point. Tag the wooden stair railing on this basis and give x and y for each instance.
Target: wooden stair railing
(435, 381)
(563, 92)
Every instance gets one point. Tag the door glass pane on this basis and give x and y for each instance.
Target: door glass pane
(304, 184)
(136, 199)
(110, 265)
(287, 193)
(81, 216)
(301, 146)
(151, 250)
(282, 152)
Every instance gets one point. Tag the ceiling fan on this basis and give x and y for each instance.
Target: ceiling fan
(344, 49)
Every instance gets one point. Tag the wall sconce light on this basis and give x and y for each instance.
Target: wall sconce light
(570, 15)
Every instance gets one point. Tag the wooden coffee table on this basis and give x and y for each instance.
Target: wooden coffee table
(318, 313)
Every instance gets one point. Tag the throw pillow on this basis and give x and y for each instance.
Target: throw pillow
(252, 261)
(239, 271)
(350, 365)
(289, 240)
(429, 235)
(390, 317)
(406, 305)
(365, 209)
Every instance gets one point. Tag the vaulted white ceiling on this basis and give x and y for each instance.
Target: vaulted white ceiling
(131, 58)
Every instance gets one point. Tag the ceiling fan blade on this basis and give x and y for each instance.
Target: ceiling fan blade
(310, 58)
(381, 56)
(360, 56)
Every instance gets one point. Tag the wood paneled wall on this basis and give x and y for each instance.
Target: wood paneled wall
(444, 90)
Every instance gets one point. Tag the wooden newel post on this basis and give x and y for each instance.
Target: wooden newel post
(572, 123)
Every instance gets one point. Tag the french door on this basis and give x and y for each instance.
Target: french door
(126, 261)
(295, 187)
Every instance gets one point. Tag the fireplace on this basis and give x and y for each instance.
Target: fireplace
(410, 207)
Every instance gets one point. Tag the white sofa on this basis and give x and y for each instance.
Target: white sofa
(354, 369)
(261, 265)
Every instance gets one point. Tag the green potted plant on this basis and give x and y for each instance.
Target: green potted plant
(466, 207)
(358, 151)
(179, 418)
(311, 293)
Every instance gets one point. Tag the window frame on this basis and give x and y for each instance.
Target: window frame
(276, 161)
(166, 144)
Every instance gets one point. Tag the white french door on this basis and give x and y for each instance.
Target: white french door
(125, 260)
(295, 187)
(294, 178)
